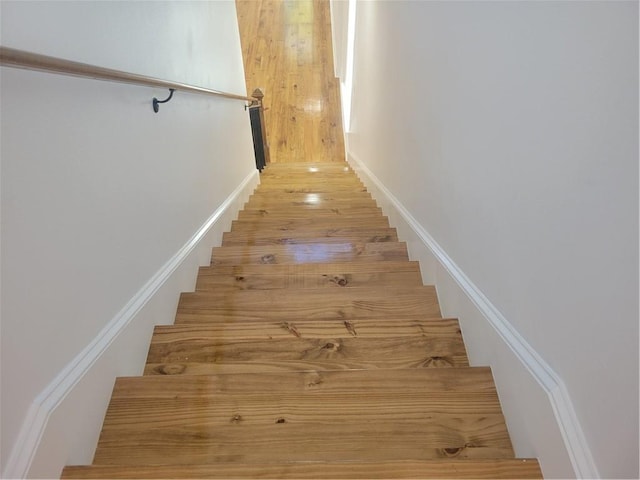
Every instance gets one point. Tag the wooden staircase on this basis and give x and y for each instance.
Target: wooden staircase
(310, 349)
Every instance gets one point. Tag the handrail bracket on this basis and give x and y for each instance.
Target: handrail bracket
(156, 102)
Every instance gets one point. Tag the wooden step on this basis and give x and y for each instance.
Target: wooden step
(301, 207)
(300, 212)
(202, 354)
(317, 168)
(313, 303)
(320, 166)
(309, 275)
(498, 469)
(308, 235)
(310, 200)
(305, 328)
(275, 169)
(367, 415)
(333, 179)
(309, 188)
(314, 172)
(310, 253)
(310, 172)
(309, 222)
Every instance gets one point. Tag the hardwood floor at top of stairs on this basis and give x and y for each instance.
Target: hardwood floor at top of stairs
(287, 52)
(317, 359)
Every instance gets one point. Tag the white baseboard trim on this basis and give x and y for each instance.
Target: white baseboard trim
(569, 426)
(35, 423)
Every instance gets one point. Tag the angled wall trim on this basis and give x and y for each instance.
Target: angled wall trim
(35, 423)
(569, 426)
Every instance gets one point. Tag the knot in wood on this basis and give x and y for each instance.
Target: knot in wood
(269, 258)
(170, 369)
(340, 280)
(452, 452)
(331, 346)
(437, 362)
(315, 381)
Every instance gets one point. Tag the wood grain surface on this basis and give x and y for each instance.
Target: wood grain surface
(310, 235)
(314, 275)
(310, 253)
(415, 413)
(202, 354)
(301, 212)
(304, 328)
(409, 469)
(312, 303)
(287, 52)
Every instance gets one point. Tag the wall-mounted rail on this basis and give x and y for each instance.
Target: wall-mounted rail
(11, 57)
(14, 58)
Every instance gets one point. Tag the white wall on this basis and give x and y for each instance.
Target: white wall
(339, 32)
(98, 194)
(506, 136)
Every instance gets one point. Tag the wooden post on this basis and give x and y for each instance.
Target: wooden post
(259, 95)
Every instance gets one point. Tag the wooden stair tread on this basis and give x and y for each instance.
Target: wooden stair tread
(309, 221)
(310, 201)
(335, 181)
(312, 303)
(312, 268)
(305, 328)
(310, 253)
(320, 166)
(199, 355)
(354, 415)
(320, 187)
(268, 175)
(317, 442)
(291, 194)
(309, 235)
(301, 212)
(498, 469)
(314, 275)
(423, 382)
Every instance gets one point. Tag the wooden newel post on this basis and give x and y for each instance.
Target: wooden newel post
(258, 128)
